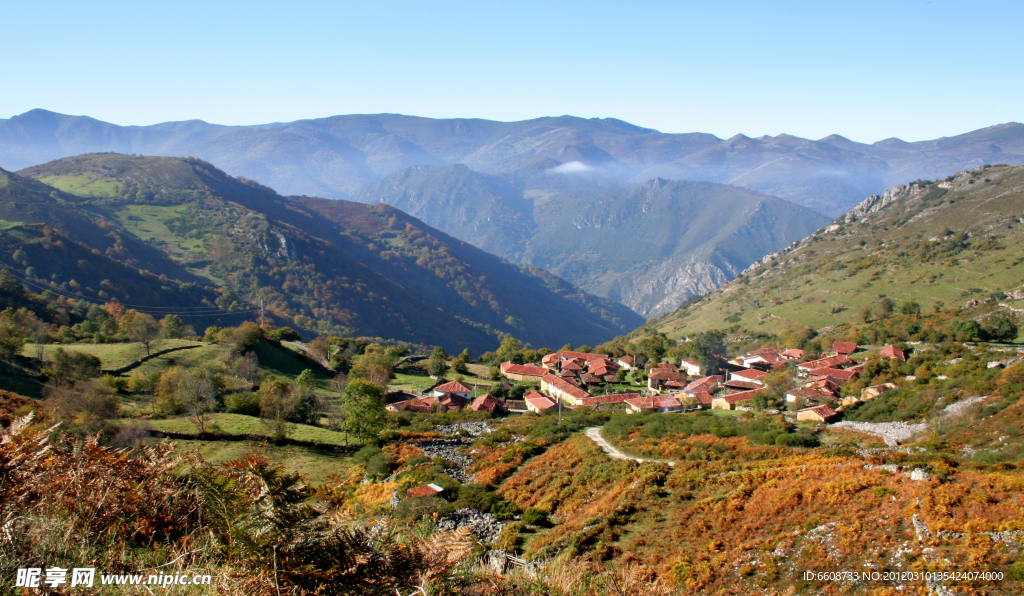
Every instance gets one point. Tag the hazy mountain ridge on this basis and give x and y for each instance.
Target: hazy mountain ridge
(336, 156)
(650, 246)
(327, 266)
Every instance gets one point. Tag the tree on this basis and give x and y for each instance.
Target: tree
(911, 308)
(139, 327)
(277, 406)
(704, 347)
(306, 379)
(566, 348)
(247, 368)
(509, 347)
(438, 363)
(365, 415)
(466, 355)
(886, 307)
(335, 414)
(459, 366)
(87, 406)
(69, 367)
(172, 327)
(1000, 329)
(12, 341)
(321, 349)
(246, 336)
(373, 367)
(865, 314)
(198, 396)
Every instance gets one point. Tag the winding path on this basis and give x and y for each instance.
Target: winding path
(594, 433)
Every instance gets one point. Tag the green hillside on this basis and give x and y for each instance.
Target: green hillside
(322, 266)
(939, 244)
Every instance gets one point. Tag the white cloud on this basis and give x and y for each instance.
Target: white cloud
(572, 167)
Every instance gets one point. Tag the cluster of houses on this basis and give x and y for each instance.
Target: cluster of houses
(453, 395)
(567, 378)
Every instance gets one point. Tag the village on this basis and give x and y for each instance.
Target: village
(809, 389)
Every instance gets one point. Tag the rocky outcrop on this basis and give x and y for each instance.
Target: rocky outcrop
(660, 288)
(876, 203)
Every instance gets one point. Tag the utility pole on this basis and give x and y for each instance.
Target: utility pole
(559, 411)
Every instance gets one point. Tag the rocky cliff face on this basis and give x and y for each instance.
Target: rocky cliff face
(662, 287)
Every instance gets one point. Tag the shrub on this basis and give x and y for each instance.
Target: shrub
(797, 440)
(535, 517)
(243, 403)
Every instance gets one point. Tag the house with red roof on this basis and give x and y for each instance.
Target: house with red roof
(792, 354)
(538, 402)
(423, 405)
(522, 372)
(612, 398)
(820, 413)
(659, 376)
(811, 394)
(562, 389)
(894, 352)
(833, 373)
(728, 402)
(626, 362)
(844, 347)
(707, 384)
(451, 401)
(830, 362)
(691, 366)
(487, 403)
(455, 387)
(749, 375)
(656, 403)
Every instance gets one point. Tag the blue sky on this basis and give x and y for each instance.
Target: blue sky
(866, 70)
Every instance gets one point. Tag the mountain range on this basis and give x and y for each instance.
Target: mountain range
(93, 225)
(623, 212)
(336, 156)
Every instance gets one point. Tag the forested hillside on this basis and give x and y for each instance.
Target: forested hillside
(347, 268)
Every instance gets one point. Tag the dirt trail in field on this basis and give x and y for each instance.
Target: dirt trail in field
(594, 433)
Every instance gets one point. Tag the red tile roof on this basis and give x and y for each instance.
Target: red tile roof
(830, 362)
(793, 353)
(753, 375)
(487, 403)
(523, 369)
(650, 403)
(539, 401)
(893, 352)
(550, 360)
(703, 398)
(823, 410)
(627, 360)
(739, 396)
(454, 387)
(583, 355)
(834, 373)
(662, 374)
(703, 383)
(566, 386)
(424, 491)
(615, 398)
(744, 385)
(808, 393)
(844, 347)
